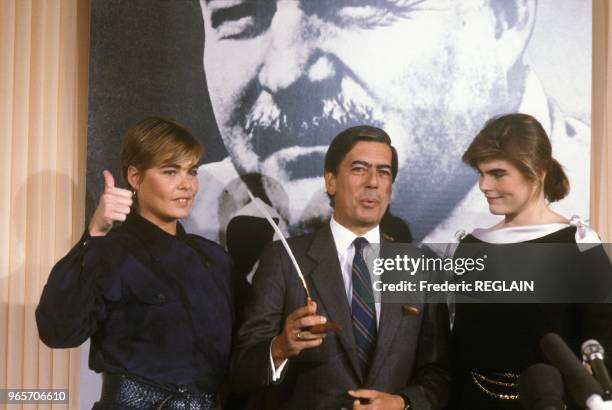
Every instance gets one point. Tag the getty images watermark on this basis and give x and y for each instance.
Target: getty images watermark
(476, 272)
(458, 266)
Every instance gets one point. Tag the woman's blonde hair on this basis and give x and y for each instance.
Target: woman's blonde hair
(157, 141)
(521, 140)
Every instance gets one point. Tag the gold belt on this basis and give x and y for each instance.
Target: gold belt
(502, 386)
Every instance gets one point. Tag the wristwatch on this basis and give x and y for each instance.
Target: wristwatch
(407, 405)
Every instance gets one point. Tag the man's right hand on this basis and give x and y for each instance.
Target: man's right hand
(114, 206)
(294, 338)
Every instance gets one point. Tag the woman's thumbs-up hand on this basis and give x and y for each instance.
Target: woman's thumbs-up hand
(114, 206)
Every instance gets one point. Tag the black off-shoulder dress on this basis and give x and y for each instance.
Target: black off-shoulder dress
(492, 343)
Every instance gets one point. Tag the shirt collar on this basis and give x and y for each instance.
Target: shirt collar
(152, 236)
(344, 237)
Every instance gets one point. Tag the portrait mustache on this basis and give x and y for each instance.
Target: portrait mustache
(307, 114)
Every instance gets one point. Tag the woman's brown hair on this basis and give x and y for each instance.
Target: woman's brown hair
(157, 141)
(521, 140)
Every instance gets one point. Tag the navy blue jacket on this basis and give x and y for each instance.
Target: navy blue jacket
(155, 305)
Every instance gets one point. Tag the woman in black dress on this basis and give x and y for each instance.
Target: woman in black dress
(156, 301)
(493, 343)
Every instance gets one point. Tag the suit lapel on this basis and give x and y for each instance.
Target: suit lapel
(326, 277)
(390, 319)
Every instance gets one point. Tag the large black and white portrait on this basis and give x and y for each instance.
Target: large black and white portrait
(266, 85)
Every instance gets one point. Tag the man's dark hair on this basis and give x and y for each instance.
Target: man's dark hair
(346, 140)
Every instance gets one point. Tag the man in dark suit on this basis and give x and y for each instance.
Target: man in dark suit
(381, 357)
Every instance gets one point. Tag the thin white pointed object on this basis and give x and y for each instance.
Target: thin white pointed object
(266, 214)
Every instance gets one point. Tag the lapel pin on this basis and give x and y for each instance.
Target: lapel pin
(410, 310)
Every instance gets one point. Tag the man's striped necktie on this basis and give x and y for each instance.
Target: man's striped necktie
(364, 313)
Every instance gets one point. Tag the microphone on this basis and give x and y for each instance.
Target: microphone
(580, 383)
(541, 388)
(593, 354)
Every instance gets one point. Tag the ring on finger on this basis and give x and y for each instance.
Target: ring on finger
(299, 335)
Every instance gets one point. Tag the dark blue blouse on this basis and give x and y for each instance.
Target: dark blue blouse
(155, 305)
